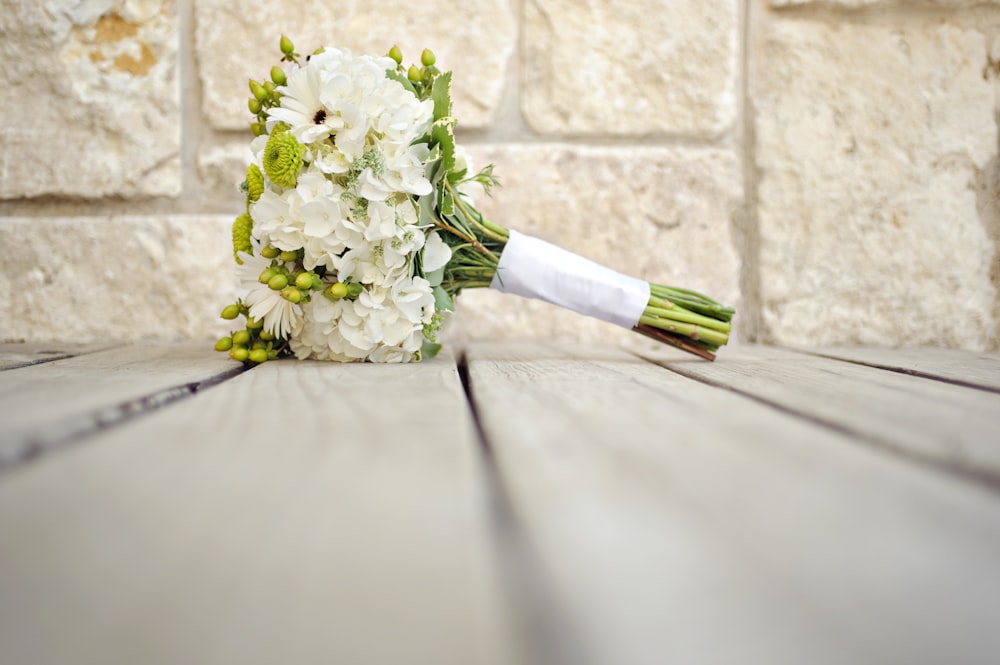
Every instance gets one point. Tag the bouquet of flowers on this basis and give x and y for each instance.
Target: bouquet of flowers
(360, 229)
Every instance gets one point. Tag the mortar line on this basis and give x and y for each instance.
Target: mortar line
(750, 325)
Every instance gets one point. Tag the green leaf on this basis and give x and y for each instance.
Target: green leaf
(400, 78)
(433, 170)
(435, 278)
(441, 94)
(447, 204)
(426, 204)
(442, 301)
(443, 135)
(429, 349)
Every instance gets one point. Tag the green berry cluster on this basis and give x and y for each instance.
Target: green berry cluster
(294, 283)
(252, 345)
(264, 94)
(420, 77)
(286, 275)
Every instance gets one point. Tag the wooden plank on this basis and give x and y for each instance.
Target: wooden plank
(44, 405)
(681, 523)
(948, 425)
(962, 367)
(301, 512)
(21, 355)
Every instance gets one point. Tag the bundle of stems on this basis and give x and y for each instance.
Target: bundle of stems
(683, 318)
(680, 317)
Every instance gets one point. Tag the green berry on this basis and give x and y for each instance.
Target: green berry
(336, 291)
(427, 58)
(396, 55)
(224, 344)
(258, 91)
(266, 336)
(270, 252)
(354, 290)
(230, 312)
(266, 275)
(241, 338)
(254, 105)
(288, 256)
(239, 353)
(286, 45)
(254, 324)
(292, 295)
(278, 75)
(257, 355)
(304, 281)
(278, 282)
(415, 74)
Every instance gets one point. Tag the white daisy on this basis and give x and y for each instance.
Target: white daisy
(281, 317)
(302, 109)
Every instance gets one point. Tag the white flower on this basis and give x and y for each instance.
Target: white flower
(301, 106)
(273, 222)
(351, 212)
(436, 253)
(414, 298)
(281, 317)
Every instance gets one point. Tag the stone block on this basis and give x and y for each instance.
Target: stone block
(238, 40)
(79, 279)
(221, 169)
(629, 69)
(861, 4)
(660, 214)
(91, 98)
(869, 141)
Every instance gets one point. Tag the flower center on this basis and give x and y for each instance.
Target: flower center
(320, 117)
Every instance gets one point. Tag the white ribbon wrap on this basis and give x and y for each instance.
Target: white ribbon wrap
(534, 268)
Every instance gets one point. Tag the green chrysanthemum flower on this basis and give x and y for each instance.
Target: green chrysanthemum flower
(242, 226)
(283, 159)
(255, 182)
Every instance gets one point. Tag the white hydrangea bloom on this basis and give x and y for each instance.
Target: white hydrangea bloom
(350, 212)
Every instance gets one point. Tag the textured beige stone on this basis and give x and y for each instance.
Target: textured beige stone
(654, 213)
(91, 103)
(858, 4)
(79, 279)
(221, 169)
(868, 143)
(238, 39)
(631, 68)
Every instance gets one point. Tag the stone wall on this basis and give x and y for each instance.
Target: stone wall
(829, 167)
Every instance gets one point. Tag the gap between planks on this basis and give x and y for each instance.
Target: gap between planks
(963, 368)
(940, 424)
(679, 522)
(56, 402)
(216, 530)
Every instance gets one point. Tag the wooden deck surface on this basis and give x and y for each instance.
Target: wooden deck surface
(504, 504)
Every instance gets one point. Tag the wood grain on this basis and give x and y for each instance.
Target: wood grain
(44, 405)
(299, 513)
(20, 355)
(952, 426)
(964, 367)
(678, 522)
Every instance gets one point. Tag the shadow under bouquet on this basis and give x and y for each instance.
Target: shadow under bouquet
(360, 229)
